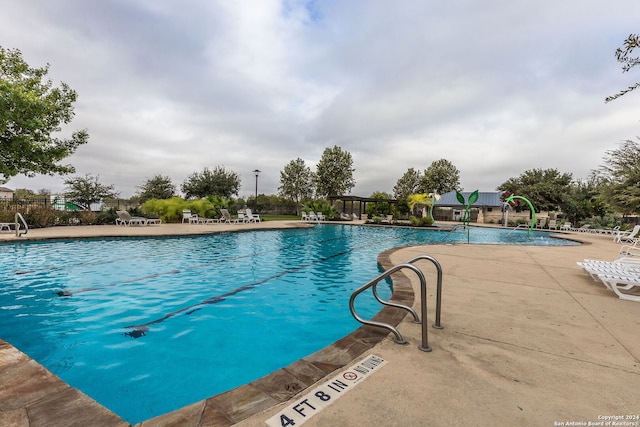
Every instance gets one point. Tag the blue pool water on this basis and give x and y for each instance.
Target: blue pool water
(148, 325)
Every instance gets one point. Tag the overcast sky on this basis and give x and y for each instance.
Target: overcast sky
(171, 87)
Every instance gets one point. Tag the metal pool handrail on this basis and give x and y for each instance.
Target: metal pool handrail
(423, 299)
(456, 228)
(518, 227)
(26, 227)
(435, 262)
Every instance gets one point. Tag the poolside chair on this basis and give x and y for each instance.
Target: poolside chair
(253, 217)
(203, 220)
(242, 217)
(613, 230)
(8, 227)
(304, 216)
(618, 283)
(617, 267)
(629, 237)
(189, 217)
(226, 217)
(541, 223)
(566, 226)
(125, 218)
(552, 224)
(320, 216)
(312, 216)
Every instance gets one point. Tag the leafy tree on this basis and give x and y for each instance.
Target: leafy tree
(334, 173)
(382, 207)
(88, 190)
(157, 187)
(583, 201)
(622, 55)
(216, 182)
(547, 190)
(620, 185)
(440, 177)
(296, 181)
(31, 110)
(23, 193)
(408, 184)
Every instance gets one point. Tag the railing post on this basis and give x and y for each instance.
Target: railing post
(437, 324)
(17, 224)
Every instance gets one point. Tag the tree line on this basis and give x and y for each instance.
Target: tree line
(32, 111)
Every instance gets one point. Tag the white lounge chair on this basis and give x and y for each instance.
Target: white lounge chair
(242, 217)
(253, 217)
(566, 226)
(625, 236)
(304, 216)
(226, 217)
(618, 283)
(320, 216)
(552, 224)
(345, 217)
(191, 218)
(125, 218)
(619, 267)
(312, 216)
(203, 220)
(10, 227)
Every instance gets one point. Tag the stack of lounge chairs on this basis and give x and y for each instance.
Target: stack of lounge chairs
(621, 276)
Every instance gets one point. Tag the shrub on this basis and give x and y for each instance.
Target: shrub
(107, 216)
(327, 210)
(40, 217)
(426, 221)
(87, 218)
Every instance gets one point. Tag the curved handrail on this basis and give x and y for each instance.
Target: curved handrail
(517, 227)
(456, 228)
(26, 227)
(423, 291)
(373, 283)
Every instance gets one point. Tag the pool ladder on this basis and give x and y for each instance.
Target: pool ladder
(423, 300)
(456, 228)
(17, 225)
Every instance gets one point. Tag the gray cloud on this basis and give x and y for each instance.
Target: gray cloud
(497, 88)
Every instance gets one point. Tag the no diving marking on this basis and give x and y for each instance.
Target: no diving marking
(320, 397)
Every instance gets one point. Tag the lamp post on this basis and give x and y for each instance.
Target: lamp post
(256, 201)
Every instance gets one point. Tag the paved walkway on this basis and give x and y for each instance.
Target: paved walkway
(529, 340)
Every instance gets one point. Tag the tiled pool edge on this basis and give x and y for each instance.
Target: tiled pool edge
(31, 395)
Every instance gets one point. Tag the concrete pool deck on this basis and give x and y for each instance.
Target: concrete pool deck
(529, 339)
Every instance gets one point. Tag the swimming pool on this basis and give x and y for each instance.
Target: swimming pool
(141, 318)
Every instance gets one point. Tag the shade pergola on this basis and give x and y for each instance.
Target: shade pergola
(361, 201)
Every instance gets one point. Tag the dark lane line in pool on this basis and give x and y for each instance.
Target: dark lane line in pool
(138, 331)
(69, 293)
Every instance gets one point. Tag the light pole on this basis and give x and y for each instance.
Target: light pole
(256, 201)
